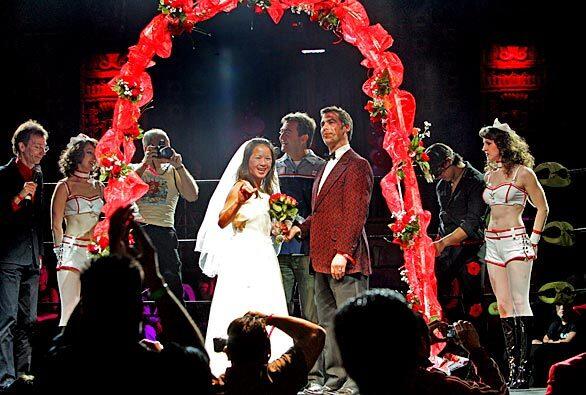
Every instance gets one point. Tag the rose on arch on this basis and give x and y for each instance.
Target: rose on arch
(382, 84)
(323, 13)
(113, 167)
(137, 81)
(133, 132)
(384, 61)
(376, 109)
(473, 268)
(405, 228)
(181, 15)
(127, 88)
(176, 8)
(417, 150)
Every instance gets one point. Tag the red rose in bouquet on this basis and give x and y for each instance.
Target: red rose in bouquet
(283, 211)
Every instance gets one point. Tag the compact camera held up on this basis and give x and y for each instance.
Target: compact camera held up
(219, 344)
(451, 333)
(164, 151)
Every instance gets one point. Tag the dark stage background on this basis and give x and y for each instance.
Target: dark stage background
(238, 79)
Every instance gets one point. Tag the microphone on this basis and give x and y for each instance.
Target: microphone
(36, 179)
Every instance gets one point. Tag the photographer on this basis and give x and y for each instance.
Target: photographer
(248, 349)
(101, 347)
(163, 170)
(403, 340)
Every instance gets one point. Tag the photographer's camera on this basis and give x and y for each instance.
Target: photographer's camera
(164, 151)
(219, 344)
(451, 332)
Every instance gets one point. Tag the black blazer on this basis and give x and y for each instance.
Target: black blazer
(22, 240)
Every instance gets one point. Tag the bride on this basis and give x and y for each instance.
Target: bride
(235, 244)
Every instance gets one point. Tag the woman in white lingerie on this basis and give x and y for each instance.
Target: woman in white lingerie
(510, 251)
(77, 201)
(235, 243)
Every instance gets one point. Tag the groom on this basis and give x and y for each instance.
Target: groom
(338, 247)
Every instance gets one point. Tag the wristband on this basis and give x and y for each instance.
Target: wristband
(180, 167)
(535, 236)
(58, 251)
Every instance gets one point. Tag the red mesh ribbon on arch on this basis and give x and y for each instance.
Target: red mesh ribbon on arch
(349, 21)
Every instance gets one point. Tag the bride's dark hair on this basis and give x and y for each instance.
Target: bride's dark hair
(244, 174)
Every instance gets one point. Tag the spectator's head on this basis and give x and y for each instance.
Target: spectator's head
(564, 311)
(379, 324)
(441, 158)
(248, 342)
(78, 155)
(111, 291)
(206, 289)
(424, 346)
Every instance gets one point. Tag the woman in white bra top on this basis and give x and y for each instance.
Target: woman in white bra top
(77, 201)
(509, 250)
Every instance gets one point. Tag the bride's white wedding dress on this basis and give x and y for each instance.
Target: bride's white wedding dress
(249, 279)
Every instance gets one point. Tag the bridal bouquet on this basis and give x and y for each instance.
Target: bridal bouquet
(283, 210)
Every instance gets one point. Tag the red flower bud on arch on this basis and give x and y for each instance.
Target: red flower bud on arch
(473, 268)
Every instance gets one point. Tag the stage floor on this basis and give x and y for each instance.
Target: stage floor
(531, 391)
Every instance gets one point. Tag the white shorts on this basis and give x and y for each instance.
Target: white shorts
(506, 245)
(75, 254)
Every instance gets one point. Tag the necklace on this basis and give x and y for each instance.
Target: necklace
(80, 174)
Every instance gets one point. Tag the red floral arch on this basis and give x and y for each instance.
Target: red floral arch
(393, 107)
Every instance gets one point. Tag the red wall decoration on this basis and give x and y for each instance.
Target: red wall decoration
(96, 96)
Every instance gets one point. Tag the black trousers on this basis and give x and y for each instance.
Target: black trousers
(461, 263)
(165, 241)
(19, 287)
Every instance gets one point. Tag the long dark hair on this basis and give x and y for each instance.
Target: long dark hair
(512, 148)
(243, 173)
(73, 154)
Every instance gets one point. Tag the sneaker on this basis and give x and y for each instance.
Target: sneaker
(329, 391)
(346, 391)
(26, 378)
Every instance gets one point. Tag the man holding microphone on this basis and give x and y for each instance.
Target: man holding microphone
(21, 248)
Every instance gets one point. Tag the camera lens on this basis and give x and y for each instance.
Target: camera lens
(451, 332)
(166, 152)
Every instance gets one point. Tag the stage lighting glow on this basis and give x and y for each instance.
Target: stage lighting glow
(312, 51)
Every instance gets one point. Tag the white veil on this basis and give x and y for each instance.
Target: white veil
(211, 239)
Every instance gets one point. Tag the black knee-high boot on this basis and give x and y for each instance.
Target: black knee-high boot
(524, 346)
(511, 347)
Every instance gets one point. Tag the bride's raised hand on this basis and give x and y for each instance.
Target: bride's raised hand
(245, 192)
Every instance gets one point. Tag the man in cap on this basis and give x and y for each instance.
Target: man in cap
(460, 233)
